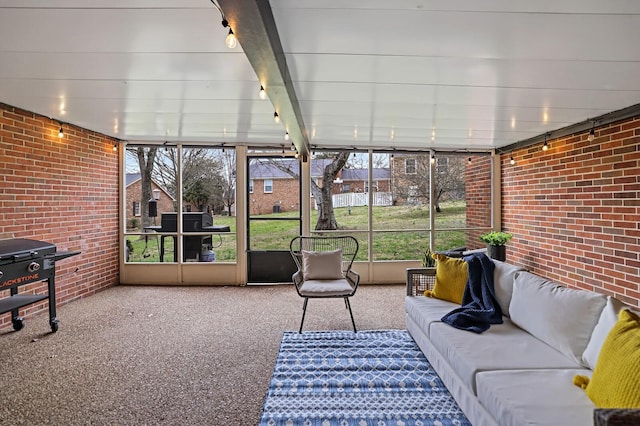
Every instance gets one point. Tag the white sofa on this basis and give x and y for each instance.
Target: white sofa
(519, 372)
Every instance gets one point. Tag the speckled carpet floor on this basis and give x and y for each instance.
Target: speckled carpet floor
(144, 355)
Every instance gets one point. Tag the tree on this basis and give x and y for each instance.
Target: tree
(411, 182)
(146, 160)
(322, 194)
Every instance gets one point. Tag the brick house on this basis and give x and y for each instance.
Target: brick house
(166, 202)
(272, 189)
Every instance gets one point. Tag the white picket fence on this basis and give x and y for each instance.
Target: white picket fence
(355, 199)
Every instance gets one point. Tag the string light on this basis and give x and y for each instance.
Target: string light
(512, 161)
(262, 94)
(286, 136)
(61, 132)
(276, 117)
(115, 146)
(546, 145)
(592, 133)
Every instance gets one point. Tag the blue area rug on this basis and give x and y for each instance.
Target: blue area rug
(376, 378)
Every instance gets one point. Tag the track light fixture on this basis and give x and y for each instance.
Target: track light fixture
(262, 94)
(592, 133)
(276, 117)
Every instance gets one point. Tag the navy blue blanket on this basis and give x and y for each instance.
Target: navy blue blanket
(479, 307)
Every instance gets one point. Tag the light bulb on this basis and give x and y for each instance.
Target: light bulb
(60, 132)
(512, 161)
(262, 94)
(286, 136)
(592, 135)
(231, 41)
(545, 146)
(276, 117)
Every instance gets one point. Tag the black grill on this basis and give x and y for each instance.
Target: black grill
(24, 261)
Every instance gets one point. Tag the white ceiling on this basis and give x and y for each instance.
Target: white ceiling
(462, 75)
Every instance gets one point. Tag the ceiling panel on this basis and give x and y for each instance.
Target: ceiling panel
(405, 74)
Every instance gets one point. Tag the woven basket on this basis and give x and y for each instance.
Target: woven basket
(419, 280)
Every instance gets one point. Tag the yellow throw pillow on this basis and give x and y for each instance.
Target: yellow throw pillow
(615, 382)
(451, 279)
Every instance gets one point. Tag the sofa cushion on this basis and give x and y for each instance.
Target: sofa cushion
(616, 378)
(502, 347)
(607, 320)
(425, 310)
(451, 279)
(562, 317)
(503, 276)
(517, 397)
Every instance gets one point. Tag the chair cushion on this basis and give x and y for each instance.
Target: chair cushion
(322, 265)
(324, 288)
(451, 279)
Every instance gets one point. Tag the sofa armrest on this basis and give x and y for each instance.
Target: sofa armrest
(419, 280)
(616, 417)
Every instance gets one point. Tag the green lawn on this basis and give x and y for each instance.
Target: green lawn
(394, 239)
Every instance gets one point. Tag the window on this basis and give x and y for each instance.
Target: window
(251, 186)
(346, 187)
(442, 165)
(268, 186)
(410, 166)
(136, 208)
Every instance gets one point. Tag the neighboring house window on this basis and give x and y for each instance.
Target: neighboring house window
(442, 165)
(346, 187)
(251, 186)
(268, 186)
(374, 186)
(136, 208)
(410, 166)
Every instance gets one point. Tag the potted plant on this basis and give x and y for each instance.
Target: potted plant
(428, 261)
(496, 242)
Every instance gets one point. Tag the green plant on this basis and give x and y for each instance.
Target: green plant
(496, 238)
(428, 261)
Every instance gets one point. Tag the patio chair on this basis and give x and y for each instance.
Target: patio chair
(324, 269)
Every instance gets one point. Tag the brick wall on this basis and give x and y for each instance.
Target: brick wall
(478, 197)
(285, 194)
(63, 191)
(574, 210)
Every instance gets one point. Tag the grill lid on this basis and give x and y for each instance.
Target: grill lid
(16, 249)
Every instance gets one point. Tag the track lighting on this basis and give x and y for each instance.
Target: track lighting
(262, 94)
(276, 117)
(592, 133)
